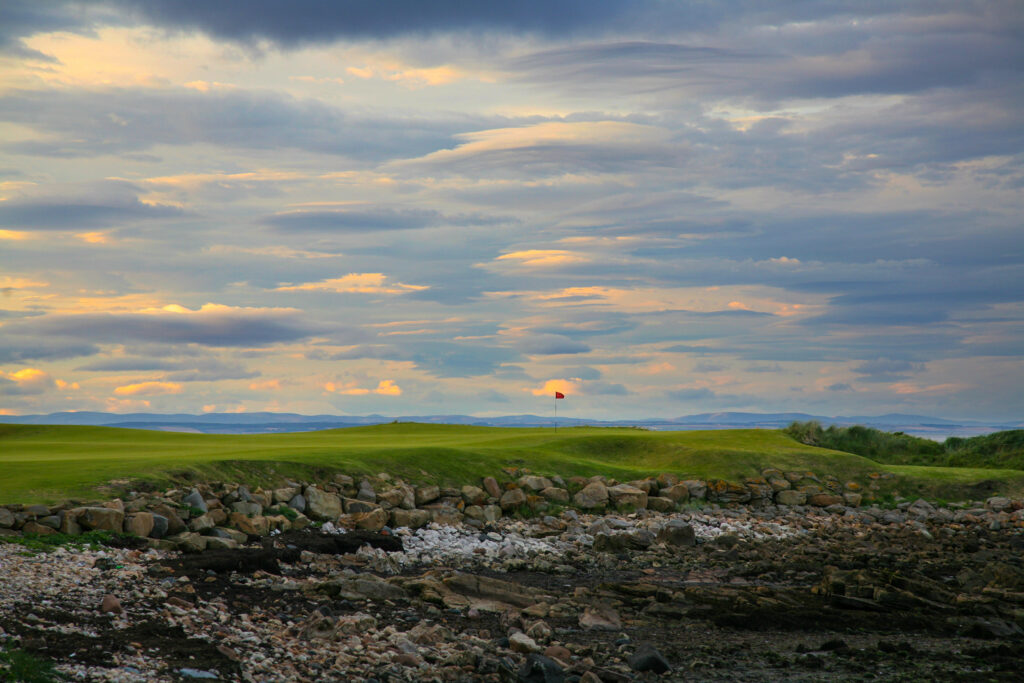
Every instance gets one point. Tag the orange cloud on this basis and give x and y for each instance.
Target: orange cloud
(266, 385)
(385, 387)
(93, 237)
(30, 380)
(388, 388)
(361, 283)
(543, 257)
(149, 389)
(565, 386)
(14, 235)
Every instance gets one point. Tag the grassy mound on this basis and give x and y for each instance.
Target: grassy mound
(46, 463)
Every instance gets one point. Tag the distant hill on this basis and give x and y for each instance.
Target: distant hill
(261, 423)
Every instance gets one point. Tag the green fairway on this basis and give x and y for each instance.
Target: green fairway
(46, 463)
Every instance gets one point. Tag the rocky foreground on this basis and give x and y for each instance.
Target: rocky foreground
(701, 591)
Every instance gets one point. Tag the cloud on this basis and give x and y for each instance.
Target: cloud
(691, 394)
(211, 325)
(353, 220)
(839, 386)
(149, 389)
(550, 345)
(565, 386)
(354, 283)
(542, 257)
(26, 382)
(76, 207)
(385, 387)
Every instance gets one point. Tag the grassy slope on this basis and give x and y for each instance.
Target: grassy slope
(47, 462)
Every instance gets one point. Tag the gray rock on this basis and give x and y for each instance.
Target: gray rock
(520, 642)
(6, 518)
(677, 533)
(355, 506)
(298, 502)
(512, 499)
(322, 505)
(52, 521)
(697, 488)
(101, 518)
(427, 494)
(195, 499)
(555, 494)
(647, 658)
(473, 495)
(160, 526)
(534, 483)
(998, 503)
(540, 669)
(247, 508)
(600, 617)
(790, 497)
(414, 519)
(626, 497)
(593, 495)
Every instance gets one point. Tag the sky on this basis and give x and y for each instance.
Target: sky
(401, 207)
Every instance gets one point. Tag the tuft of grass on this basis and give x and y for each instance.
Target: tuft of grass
(92, 540)
(18, 665)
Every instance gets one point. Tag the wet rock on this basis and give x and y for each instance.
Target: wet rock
(321, 505)
(600, 617)
(594, 495)
(647, 658)
(540, 669)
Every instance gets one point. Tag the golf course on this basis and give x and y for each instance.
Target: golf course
(49, 463)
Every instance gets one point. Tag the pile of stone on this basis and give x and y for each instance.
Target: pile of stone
(220, 516)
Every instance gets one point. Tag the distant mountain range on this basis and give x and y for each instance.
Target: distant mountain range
(260, 423)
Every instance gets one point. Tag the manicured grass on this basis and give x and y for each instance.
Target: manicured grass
(46, 463)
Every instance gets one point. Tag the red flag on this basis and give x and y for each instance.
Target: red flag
(559, 394)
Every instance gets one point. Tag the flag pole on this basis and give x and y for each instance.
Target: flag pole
(556, 412)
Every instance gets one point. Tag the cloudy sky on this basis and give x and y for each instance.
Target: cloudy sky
(410, 207)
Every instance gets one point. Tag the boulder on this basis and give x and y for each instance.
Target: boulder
(538, 668)
(218, 543)
(534, 483)
(52, 521)
(188, 542)
(355, 506)
(667, 479)
(69, 522)
(677, 533)
(285, 493)
(853, 500)
(195, 499)
(647, 658)
(823, 500)
(139, 523)
(298, 502)
(998, 503)
(247, 508)
(374, 520)
(426, 494)
(34, 527)
(722, 491)
(322, 505)
(256, 526)
(593, 495)
(103, 518)
(492, 513)
(160, 526)
(473, 495)
(6, 518)
(659, 504)
(520, 642)
(202, 523)
(790, 497)
(175, 524)
(698, 489)
(512, 499)
(626, 497)
(391, 498)
(679, 493)
(414, 519)
(490, 485)
(600, 617)
(555, 494)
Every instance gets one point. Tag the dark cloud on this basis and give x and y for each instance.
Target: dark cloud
(56, 213)
(551, 345)
(839, 386)
(691, 394)
(233, 327)
(22, 350)
(77, 123)
(370, 219)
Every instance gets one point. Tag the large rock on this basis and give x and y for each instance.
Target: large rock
(196, 500)
(374, 520)
(160, 526)
(555, 494)
(6, 518)
(355, 506)
(202, 523)
(647, 658)
(139, 523)
(322, 505)
(659, 504)
(534, 483)
(413, 519)
(512, 499)
(698, 489)
(677, 533)
(600, 617)
(790, 497)
(105, 519)
(474, 495)
(247, 508)
(679, 493)
(593, 495)
(285, 493)
(722, 491)
(626, 497)
(257, 526)
(427, 494)
(175, 524)
(823, 500)
(538, 668)
(490, 485)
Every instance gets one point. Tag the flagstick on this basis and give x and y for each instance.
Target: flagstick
(556, 415)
